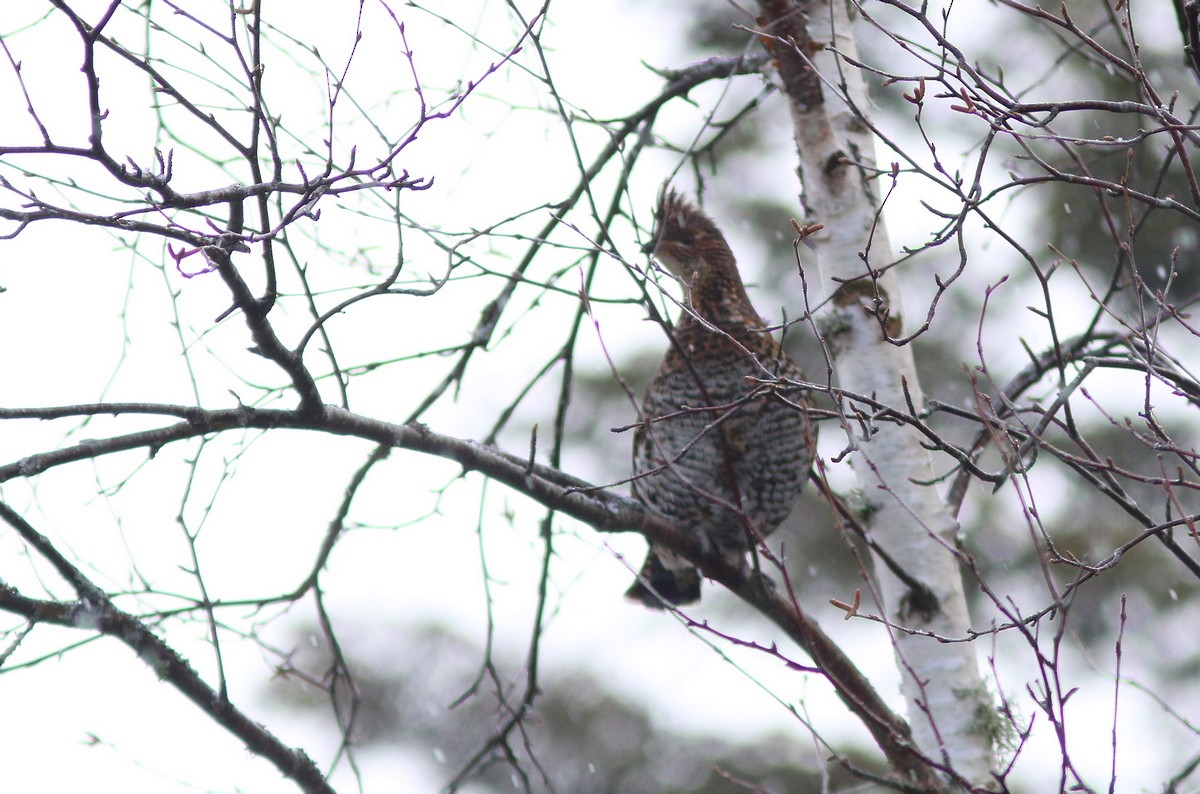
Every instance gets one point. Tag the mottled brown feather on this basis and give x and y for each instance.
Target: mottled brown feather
(714, 459)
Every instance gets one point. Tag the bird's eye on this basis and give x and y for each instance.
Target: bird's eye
(686, 238)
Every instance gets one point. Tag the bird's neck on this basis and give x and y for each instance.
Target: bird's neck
(719, 297)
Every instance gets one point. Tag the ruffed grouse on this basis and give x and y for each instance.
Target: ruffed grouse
(711, 453)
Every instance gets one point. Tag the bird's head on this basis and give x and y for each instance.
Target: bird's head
(686, 241)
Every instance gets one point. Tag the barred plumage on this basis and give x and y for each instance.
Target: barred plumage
(716, 453)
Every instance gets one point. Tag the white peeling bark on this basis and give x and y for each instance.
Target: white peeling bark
(949, 708)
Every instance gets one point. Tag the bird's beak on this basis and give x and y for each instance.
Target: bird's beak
(649, 247)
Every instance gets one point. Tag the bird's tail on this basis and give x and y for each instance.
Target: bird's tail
(666, 578)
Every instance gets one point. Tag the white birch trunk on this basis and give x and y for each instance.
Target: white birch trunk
(949, 708)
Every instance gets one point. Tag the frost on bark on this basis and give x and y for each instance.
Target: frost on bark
(911, 531)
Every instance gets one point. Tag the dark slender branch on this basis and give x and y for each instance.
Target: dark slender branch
(604, 510)
(1188, 13)
(95, 611)
(268, 343)
(681, 82)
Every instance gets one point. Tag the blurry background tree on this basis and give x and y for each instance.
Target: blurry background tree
(249, 250)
